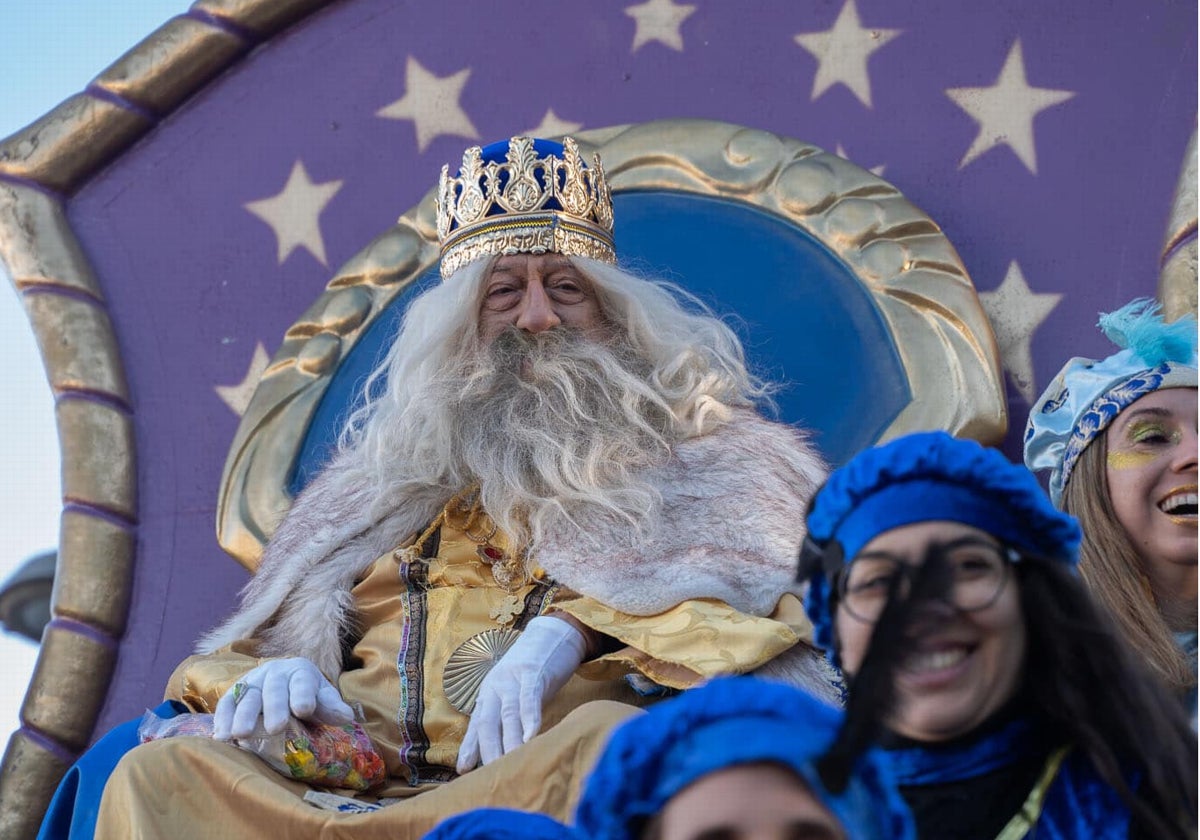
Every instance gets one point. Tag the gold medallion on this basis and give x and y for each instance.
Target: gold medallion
(471, 662)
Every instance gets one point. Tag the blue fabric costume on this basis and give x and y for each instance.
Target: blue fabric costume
(501, 824)
(1052, 791)
(728, 722)
(1067, 801)
(72, 812)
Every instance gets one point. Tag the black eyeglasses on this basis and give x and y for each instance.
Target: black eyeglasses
(978, 571)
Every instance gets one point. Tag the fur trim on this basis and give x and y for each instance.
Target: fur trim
(730, 527)
(298, 603)
(806, 668)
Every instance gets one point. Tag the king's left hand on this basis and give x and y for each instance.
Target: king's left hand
(508, 710)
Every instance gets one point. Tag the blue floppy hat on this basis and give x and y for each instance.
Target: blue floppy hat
(728, 722)
(1087, 394)
(500, 824)
(924, 477)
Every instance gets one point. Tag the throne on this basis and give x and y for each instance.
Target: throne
(843, 291)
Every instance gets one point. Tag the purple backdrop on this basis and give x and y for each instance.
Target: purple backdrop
(194, 282)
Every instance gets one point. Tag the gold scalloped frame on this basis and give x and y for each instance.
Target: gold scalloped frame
(912, 272)
(40, 168)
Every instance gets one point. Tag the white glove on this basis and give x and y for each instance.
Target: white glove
(272, 690)
(508, 711)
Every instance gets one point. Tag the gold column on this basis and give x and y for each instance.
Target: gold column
(40, 168)
(1177, 268)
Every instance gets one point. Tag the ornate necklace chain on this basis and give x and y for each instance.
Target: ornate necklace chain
(507, 568)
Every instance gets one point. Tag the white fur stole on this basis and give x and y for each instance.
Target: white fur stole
(730, 527)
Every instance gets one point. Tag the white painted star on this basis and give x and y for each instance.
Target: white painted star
(431, 102)
(552, 125)
(659, 20)
(1016, 312)
(1005, 111)
(842, 53)
(294, 213)
(237, 397)
(877, 171)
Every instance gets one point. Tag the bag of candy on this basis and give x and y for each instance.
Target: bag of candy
(318, 754)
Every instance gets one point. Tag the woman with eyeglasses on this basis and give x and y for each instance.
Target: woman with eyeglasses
(942, 582)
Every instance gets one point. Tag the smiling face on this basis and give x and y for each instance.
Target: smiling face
(965, 664)
(1151, 472)
(534, 293)
(747, 802)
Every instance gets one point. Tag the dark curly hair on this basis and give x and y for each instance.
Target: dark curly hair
(1080, 680)
(1088, 683)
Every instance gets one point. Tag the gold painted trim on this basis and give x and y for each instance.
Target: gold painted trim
(40, 167)
(29, 771)
(900, 255)
(94, 570)
(37, 246)
(75, 140)
(264, 18)
(169, 65)
(1177, 272)
(91, 552)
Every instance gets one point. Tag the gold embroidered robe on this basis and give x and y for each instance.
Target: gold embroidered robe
(415, 612)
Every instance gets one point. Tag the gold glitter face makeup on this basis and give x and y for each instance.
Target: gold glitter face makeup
(1143, 439)
(1126, 460)
(1150, 432)
(1150, 468)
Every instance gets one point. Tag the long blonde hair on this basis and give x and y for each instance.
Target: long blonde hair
(1112, 569)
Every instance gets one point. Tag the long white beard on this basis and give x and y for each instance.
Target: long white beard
(557, 427)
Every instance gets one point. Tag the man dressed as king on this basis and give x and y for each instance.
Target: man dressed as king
(562, 505)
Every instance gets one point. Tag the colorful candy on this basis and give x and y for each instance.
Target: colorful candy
(314, 753)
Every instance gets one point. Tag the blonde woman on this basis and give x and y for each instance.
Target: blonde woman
(1119, 438)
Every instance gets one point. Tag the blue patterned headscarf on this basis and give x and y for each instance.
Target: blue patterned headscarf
(925, 477)
(1087, 394)
(501, 824)
(727, 722)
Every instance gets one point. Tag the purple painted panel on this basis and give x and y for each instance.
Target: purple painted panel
(1079, 204)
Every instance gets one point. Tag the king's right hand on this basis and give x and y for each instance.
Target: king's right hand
(274, 691)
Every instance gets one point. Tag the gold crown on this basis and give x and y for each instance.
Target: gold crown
(567, 210)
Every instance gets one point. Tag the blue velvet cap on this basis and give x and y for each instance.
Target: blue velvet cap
(497, 153)
(1087, 394)
(925, 477)
(727, 722)
(501, 824)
